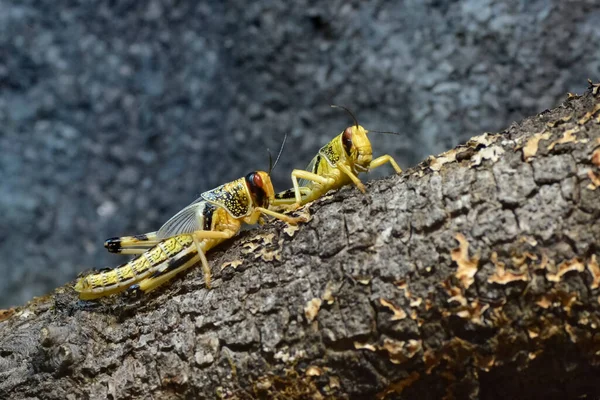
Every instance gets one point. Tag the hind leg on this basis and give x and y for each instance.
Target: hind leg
(136, 244)
(160, 277)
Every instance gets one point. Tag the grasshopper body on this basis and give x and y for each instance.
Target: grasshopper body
(336, 164)
(184, 239)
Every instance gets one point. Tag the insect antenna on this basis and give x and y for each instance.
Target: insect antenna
(348, 111)
(389, 133)
(271, 164)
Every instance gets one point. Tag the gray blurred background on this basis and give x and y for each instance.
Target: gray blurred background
(116, 114)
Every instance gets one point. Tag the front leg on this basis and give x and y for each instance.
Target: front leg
(282, 217)
(379, 161)
(344, 168)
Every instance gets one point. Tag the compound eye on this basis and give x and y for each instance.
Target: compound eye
(257, 180)
(347, 140)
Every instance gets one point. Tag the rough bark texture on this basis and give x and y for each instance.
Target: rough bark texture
(472, 275)
(116, 114)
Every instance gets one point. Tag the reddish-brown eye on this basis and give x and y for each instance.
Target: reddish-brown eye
(347, 140)
(257, 180)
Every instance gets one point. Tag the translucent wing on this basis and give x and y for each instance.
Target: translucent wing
(188, 220)
(311, 167)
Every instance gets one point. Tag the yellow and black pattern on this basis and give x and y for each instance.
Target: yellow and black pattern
(165, 254)
(331, 152)
(232, 196)
(117, 244)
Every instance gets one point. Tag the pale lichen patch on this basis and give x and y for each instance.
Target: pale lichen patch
(568, 137)
(485, 362)
(559, 121)
(596, 157)
(502, 277)
(467, 267)
(364, 346)
(533, 332)
(574, 264)
(269, 255)
(416, 302)
(474, 312)
(571, 331)
(436, 163)
(233, 264)
(485, 139)
(399, 313)
(401, 351)
(249, 247)
(557, 298)
(291, 230)
(328, 294)
(311, 309)
(531, 147)
(313, 370)
(594, 87)
(594, 180)
(491, 153)
(363, 280)
(304, 214)
(589, 115)
(594, 269)
(5, 314)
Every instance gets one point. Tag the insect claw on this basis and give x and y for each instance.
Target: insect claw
(134, 291)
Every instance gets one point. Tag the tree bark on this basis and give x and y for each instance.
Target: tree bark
(472, 275)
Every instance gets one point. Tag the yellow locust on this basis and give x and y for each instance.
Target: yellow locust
(336, 164)
(184, 239)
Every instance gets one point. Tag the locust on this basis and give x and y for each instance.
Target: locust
(183, 240)
(336, 164)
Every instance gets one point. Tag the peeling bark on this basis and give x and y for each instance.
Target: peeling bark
(473, 275)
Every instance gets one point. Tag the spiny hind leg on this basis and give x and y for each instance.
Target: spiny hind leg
(198, 237)
(379, 161)
(160, 277)
(136, 244)
(309, 176)
(204, 261)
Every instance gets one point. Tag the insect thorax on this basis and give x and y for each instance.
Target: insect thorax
(232, 196)
(329, 152)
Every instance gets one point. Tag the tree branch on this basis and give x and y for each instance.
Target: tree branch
(473, 275)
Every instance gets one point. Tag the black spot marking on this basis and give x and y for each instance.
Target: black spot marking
(173, 264)
(231, 196)
(143, 237)
(329, 153)
(113, 245)
(207, 215)
(316, 166)
(288, 194)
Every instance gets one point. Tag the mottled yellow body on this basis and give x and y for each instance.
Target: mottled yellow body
(120, 278)
(336, 164)
(183, 240)
(233, 197)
